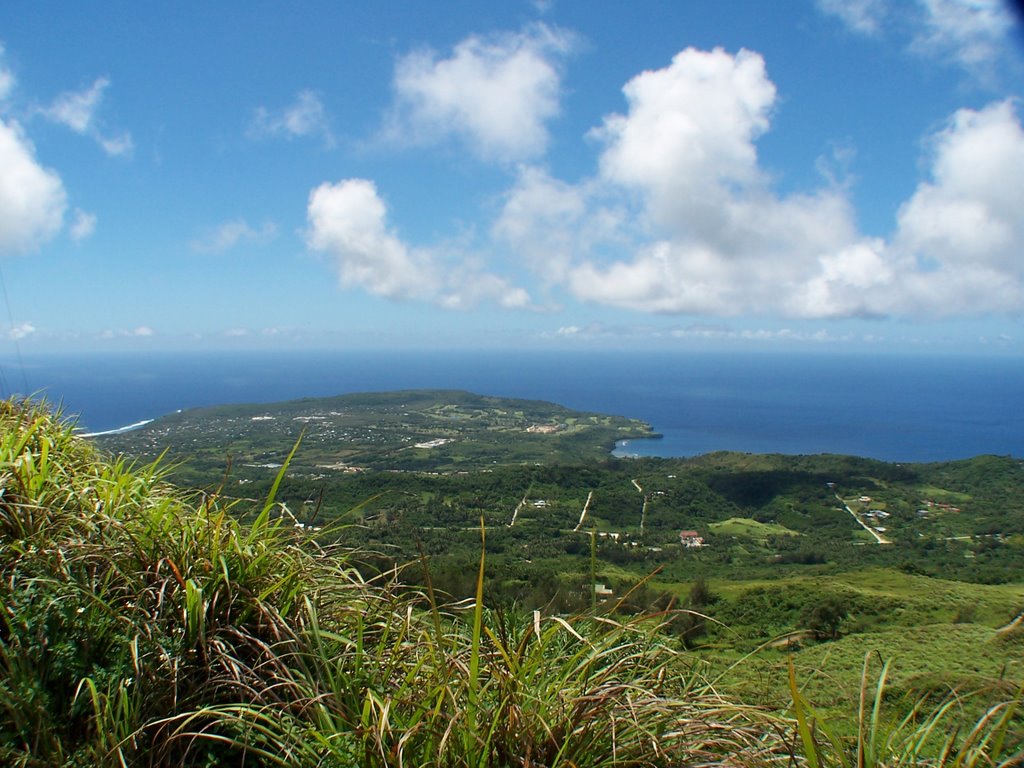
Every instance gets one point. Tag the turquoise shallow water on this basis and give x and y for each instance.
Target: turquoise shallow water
(894, 408)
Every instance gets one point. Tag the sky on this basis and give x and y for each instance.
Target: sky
(826, 174)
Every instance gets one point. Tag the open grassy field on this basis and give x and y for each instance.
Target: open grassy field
(746, 528)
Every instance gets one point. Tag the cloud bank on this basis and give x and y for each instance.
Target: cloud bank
(711, 237)
(680, 217)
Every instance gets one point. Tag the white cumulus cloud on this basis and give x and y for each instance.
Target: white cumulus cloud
(687, 141)
(709, 235)
(348, 221)
(540, 220)
(964, 228)
(32, 198)
(306, 116)
(495, 93)
(857, 280)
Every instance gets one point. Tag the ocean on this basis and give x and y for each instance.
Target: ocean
(895, 408)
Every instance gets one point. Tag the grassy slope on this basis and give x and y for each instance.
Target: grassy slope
(940, 635)
(900, 599)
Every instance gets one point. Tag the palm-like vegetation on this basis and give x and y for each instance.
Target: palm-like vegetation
(146, 626)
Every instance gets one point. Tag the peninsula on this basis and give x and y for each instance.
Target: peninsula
(412, 430)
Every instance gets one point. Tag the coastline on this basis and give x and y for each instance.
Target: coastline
(119, 430)
(914, 409)
(619, 449)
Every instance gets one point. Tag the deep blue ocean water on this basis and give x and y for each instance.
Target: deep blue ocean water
(909, 408)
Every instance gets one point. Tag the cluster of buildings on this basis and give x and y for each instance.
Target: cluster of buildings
(691, 539)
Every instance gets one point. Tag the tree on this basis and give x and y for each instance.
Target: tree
(700, 594)
(825, 617)
(691, 623)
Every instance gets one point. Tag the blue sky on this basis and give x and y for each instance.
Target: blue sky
(798, 173)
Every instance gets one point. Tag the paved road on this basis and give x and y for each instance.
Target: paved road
(878, 537)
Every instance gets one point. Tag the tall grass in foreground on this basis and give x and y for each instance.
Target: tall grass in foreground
(144, 626)
(921, 736)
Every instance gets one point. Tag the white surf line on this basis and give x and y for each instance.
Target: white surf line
(878, 537)
(583, 514)
(117, 431)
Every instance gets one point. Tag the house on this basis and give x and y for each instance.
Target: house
(691, 539)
